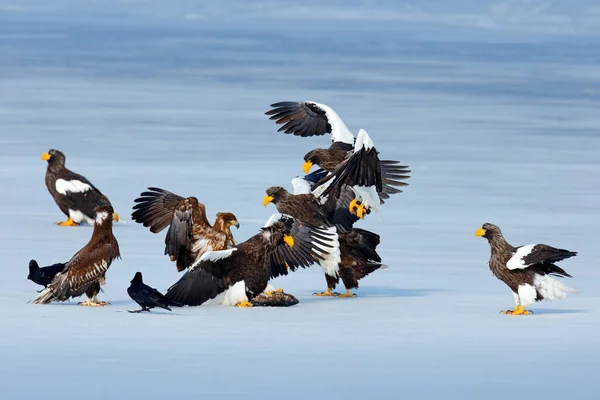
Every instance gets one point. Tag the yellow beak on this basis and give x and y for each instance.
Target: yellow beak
(307, 166)
(267, 200)
(289, 240)
(480, 232)
(115, 217)
(45, 156)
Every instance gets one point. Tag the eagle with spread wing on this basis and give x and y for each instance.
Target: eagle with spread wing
(528, 271)
(283, 244)
(357, 246)
(309, 118)
(85, 271)
(76, 197)
(190, 235)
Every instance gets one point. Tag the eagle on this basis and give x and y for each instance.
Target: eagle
(76, 197)
(43, 276)
(85, 271)
(357, 246)
(147, 297)
(190, 235)
(283, 244)
(309, 118)
(528, 271)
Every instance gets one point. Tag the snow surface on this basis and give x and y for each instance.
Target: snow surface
(494, 105)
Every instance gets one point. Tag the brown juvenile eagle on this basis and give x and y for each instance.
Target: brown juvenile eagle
(357, 246)
(190, 234)
(283, 244)
(527, 270)
(85, 271)
(309, 119)
(76, 197)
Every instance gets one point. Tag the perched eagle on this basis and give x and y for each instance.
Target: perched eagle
(527, 270)
(309, 119)
(76, 197)
(147, 297)
(86, 270)
(244, 271)
(190, 235)
(357, 246)
(43, 276)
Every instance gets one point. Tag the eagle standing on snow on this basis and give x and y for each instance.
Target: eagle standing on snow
(372, 179)
(358, 255)
(76, 197)
(190, 235)
(86, 270)
(527, 270)
(282, 244)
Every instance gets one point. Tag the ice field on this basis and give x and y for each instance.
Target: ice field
(494, 105)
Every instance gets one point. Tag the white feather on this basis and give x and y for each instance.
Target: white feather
(551, 288)
(101, 217)
(332, 256)
(368, 196)
(301, 185)
(234, 294)
(63, 186)
(201, 246)
(274, 218)
(80, 217)
(363, 140)
(516, 261)
(339, 130)
(527, 294)
(214, 255)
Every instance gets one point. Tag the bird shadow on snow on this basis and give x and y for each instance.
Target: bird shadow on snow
(380, 291)
(549, 311)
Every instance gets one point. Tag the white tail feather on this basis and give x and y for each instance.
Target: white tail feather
(551, 288)
(44, 297)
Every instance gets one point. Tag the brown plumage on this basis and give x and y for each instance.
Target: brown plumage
(85, 271)
(357, 246)
(76, 197)
(526, 270)
(283, 244)
(190, 234)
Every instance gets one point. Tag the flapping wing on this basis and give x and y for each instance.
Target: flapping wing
(360, 244)
(205, 279)
(308, 118)
(155, 208)
(308, 245)
(537, 256)
(393, 176)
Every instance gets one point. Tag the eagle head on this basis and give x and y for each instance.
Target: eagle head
(55, 158)
(487, 230)
(228, 220)
(274, 194)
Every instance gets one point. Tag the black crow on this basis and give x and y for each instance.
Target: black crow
(43, 276)
(146, 296)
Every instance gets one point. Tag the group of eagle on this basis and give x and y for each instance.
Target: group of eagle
(314, 225)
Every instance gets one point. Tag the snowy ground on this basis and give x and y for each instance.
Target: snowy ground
(499, 124)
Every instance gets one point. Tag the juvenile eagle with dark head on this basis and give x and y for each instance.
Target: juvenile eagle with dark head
(190, 235)
(309, 118)
(85, 271)
(283, 244)
(528, 271)
(76, 197)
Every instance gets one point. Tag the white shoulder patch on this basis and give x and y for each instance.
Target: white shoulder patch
(216, 255)
(363, 140)
(301, 185)
(274, 218)
(63, 186)
(339, 130)
(516, 261)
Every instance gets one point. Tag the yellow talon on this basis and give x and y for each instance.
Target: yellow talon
(327, 293)
(518, 310)
(244, 304)
(360, 211)
(347, 294)
(353, 204)
(68, 222)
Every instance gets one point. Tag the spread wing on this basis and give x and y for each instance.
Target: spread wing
(205, 279)
(155, 208)
(336, 205)
(393, 176)
(539, 257)
(308, 118)
(85, 269)
(310, 245)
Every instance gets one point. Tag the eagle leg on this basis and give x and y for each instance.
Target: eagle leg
(327, 293)
(347, 294)
(68, 222)
(518, 310)
(244, 304)
(361, 210)
(353, 204)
